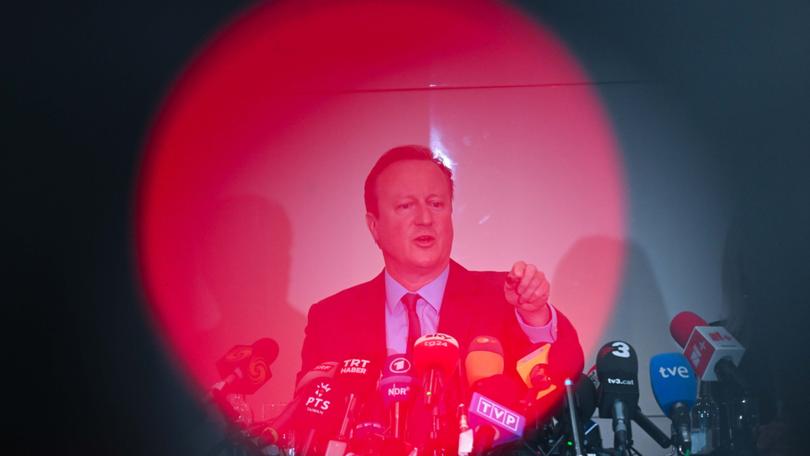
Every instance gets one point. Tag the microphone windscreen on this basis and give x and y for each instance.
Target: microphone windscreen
(672, 380)
(484, 358)
(585, 397)
(235, 357)
(397, 364)
(436, 351)
(528, 365)
(322, 406)
(266, 348)
(250, 363)
(502, 388)
(396, 382)
(358, 376)
(617, 370)
(682, 325)
(325, 369)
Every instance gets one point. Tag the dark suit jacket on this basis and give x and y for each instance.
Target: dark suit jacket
(351, 323)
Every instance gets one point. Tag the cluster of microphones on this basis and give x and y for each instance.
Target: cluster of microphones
(441, 400)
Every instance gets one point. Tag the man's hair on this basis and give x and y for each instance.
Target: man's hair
(400, 153)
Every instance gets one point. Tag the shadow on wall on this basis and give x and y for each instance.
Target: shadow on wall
(244, 275)
(765, 280)
(635, 311)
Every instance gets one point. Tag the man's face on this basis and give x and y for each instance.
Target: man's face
(414, 228)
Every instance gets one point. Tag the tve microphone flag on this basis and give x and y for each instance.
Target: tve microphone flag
(675, 388)
(673, 381)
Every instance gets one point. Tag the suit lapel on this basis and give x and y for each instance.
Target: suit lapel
(373, 315)
(455, 313)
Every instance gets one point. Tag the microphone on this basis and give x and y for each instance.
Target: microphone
(534, 366)
(320, 411)
(711, 350)
(484, 371)
(322, 371)
(492, 412)
(356, 379)
(435, 356)
(395, 388)
(484, 359)
(368, 438)
(245, 368)
(617, 370)
(674, 386)
(325, 369)
(651, 429)
(579, 407)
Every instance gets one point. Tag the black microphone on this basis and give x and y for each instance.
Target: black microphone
(245, 368)
(357, 380)
(320, 413)
(617, 370)
(493, 412)
(278, 425)
(397, 391)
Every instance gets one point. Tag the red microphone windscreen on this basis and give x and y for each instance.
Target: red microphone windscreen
(436, 351)
(682, 325)
(484, 358)
(266, 348)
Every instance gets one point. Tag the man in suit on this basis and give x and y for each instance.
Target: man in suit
(409, 203)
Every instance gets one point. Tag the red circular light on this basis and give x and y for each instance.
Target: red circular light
(250, 198)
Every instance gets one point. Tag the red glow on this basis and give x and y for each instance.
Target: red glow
(258, 156)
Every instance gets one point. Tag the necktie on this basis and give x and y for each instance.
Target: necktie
(414, 329)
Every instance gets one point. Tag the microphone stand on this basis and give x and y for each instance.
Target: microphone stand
(651, 429)
(572, 415)
(622, 439)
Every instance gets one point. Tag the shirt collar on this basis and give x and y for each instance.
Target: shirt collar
(432, 292)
